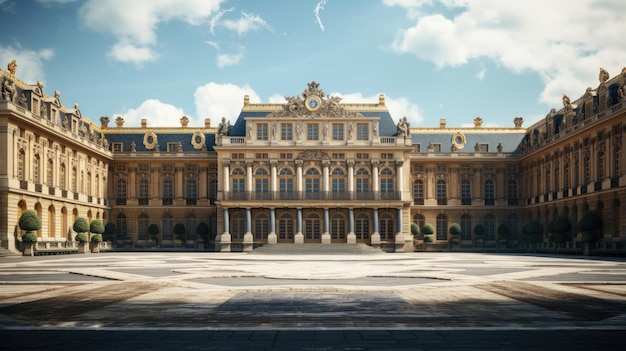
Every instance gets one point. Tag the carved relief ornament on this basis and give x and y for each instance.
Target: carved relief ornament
(313, 102)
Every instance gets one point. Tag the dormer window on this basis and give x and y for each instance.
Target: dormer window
(362, 131)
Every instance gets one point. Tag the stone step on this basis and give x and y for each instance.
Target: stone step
(321, 249)
(6, 253)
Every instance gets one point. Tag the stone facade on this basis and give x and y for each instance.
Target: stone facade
(310, 170)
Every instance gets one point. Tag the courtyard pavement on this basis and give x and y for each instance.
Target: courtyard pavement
(312, 301)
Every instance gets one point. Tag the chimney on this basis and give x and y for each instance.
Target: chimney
(207, 123)
(442, 123)
(144, 123)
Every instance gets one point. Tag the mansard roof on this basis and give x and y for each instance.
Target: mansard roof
(508, 138)
(330, 107)
(163, 137)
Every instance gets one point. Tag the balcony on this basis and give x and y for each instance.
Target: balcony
(120, 201)
(513, 201)
(191, 201)
(167, 201)
(418, 201)
(442, 201)
(143, 201)
(310, 196)
(466, 201)
(490, 202)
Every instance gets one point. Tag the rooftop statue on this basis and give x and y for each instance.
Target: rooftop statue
(12, 66)
(603, 76)
(223, 127)
(403, 127)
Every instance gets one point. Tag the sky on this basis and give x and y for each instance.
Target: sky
(432, 59)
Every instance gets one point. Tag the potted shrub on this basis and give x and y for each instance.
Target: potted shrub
(479, 231)
(415, 232)
(503, 235)
(455, 231)
(153, 230)
(203, 230)
(109, 232)
(428, 230)
(81, 227)
(30, 222)
(532, 230)
(589, 225)
(97, 228)
(179, 231)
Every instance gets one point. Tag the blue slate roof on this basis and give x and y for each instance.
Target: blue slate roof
(386, 126)
(163, 139)
(510, 142)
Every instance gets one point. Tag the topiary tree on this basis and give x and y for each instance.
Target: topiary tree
(96, 227)
(96, 238)
(203, 230)
(179, 230)
(428, 229)
(559, 227)
(30, 222)
(415, 229)
(109, 231)
(479, 231)
(503, 233)
(532, 230)
(589, 224)
(81, 225)
(81, 237)
(455, 229)
(153, 230)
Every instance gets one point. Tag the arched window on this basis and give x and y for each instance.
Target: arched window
(237, 226)
(261, 226)
(51, 222)
(312, 227)
(512, 192)
(192, 226)
(89, 191)
(168, 227)
(62, 177)
(418, 192)
(21, 156)
(192, 192)
(338, 181)
(120, 227)
(213, 191)
(74, 180)
(36, 169)
(238, 180)
(386, 225)
(285, 180)
(442, 227)
(312, 182)
(168, 192)
(490, 227)
(466, 227)
(362, 226)
(285, 226)
(442, 192)
(49, 173)
(261, 181)
(142, 226)
(466, 192)
(97, 186)
(386, 181)
(120, 192)
(143, 198)
(338, 227)
(513, 223)
(489, 193)
(362, 180)
(419, 220)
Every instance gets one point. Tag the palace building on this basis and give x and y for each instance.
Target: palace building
(313, 169)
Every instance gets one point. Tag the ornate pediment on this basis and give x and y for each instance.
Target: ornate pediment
(312, 103)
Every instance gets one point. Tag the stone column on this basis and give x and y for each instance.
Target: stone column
(351, 235)
(375, 240)
(248, 239)
(249, 176)
(179, 183)
(226, 182)
(351, 177)
(272, 238)
(375, 185)
(325, 179)
(299, 176)
(299, 238)
(224, 239)
(400, 177)
(399, 235)
(273, 182)
(326, 232)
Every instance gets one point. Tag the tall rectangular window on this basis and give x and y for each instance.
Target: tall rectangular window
(262, 131)
(466, 192)
(338, 131)
(238, 185)
(313, 131)
(286, 185)
(339, 185)
(286, 131)
(362, 131)
(168, 191)
(143, 192)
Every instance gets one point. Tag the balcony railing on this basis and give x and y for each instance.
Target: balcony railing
(490, 202)
(143, 201)
(309, 196)
(512, 201)
(168, 201)
(418, 201)
(466, 201)
(120, 201)
(442, 201)
(191, 201)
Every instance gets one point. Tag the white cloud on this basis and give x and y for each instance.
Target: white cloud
(481, 74)
(565, 44)
(30, 63)
(225, 60)
(213, 44)
(215, 19)
(215, 101)
(247, 22)
(134, 23)
(126, 52)
(316, 11)
(157, 113)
